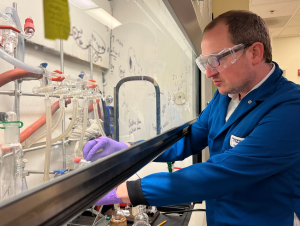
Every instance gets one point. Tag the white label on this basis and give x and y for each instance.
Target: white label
(234, 140)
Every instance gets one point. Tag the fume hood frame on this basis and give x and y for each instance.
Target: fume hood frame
(116, 108)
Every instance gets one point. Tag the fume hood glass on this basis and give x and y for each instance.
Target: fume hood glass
(136, 44)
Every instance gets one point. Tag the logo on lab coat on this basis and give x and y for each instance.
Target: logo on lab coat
(234, 140)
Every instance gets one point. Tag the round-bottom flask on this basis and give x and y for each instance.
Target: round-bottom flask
(141, 219)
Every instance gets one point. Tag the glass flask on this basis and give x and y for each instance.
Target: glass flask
(11, 157)
(9, 38)
(118, 219)
(141, 219)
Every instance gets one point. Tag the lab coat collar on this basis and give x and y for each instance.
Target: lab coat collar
(253, 98)
(269, 86)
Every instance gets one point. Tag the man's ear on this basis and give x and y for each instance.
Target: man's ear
(256, 52)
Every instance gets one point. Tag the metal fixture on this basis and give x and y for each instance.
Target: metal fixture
(109, 99)
(116, 108)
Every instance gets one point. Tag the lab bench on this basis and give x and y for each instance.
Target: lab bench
(178, 219)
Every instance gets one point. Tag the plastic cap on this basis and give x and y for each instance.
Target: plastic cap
(58, 71)
(44, 65)
(29, 24)
(77, 160)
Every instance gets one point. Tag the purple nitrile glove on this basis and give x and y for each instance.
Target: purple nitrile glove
(110, 198)
(101, 147)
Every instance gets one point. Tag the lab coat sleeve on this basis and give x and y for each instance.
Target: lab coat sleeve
(272, 147)
(193, 143)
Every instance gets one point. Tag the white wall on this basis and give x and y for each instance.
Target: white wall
(286, 52)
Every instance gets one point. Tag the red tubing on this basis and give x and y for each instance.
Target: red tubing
(91, 108)
(40, 122)
(99, 110)
(15, 74)
(177, 168)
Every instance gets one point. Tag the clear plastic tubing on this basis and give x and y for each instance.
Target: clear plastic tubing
(4, 15)
(48, 140)
(68, 130)
(96, 116)
(84, 125)
(61, 113)
(19, 64)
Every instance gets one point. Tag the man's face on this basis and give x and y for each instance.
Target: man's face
(236, 78)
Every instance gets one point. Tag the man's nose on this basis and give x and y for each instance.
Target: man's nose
(210, 72)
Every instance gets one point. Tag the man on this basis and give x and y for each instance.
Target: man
(251, 127)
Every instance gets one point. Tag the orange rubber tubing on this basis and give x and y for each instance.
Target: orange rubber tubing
(40, 122)
(15, 74)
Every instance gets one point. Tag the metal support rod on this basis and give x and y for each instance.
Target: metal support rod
(17, 97)
(38, 172)
(91, 59)
(12, 93)
(35, 95)
(41, 147)
(17, 100)
(63, 123)
(15, 5)
(9, 93)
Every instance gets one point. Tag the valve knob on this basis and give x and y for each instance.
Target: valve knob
(44, 65)
(29, 24)
(81, 75)
(77, 160)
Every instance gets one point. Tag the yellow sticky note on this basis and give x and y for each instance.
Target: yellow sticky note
(56, 19)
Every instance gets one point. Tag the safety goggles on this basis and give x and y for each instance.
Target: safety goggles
(220, 59)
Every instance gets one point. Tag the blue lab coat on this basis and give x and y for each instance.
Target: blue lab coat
(253, 174)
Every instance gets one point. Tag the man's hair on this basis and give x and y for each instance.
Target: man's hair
(245, 27)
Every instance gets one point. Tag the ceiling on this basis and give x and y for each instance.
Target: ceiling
(222, 6)
(281, 16)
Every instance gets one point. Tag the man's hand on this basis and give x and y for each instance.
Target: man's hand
(102, 147)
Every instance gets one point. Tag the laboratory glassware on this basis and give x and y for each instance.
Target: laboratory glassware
(11, 156)
(141, 219)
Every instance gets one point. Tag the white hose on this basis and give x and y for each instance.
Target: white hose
(61, 113)
(48, 140)
(68, 130)
(96, 116)
(19, 64)
(79, 153)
